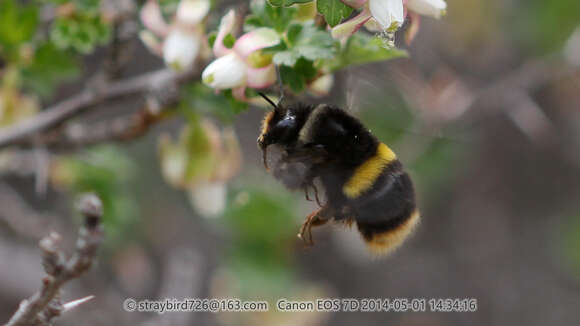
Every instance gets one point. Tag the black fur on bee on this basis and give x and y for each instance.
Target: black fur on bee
(362, 178)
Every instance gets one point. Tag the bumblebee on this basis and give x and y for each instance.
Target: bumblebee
(363, 181)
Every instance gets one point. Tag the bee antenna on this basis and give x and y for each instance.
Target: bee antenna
(280, 85)
(268, 100)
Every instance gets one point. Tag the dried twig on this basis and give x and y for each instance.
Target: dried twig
(120, 129)
(44, 305)
(60, 112)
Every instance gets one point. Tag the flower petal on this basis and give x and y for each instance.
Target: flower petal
(350, 26)
(387, 12)
(226, 26)
(192, 12)
(433, 8)
(152, 19)
(255, 40)
(261, 77)
(151, 42)
(413, 29)
(322, 85)
(181, 48)
(208, 198)
(373, 26)
(225, 72)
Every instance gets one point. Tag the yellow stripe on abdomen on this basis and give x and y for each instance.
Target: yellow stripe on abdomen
(384, 243)
(367, 173)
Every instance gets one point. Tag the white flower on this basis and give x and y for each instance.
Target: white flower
(192, 12)
(152, 18)
(225, 72)
(243, 64)
(388, 13)
(181, 48)
(433, 8)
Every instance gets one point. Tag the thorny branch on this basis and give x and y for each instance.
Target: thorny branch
(45, 304)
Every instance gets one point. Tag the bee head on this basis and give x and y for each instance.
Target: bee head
(280, 126)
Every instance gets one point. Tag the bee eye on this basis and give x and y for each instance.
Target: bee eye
(287, 122)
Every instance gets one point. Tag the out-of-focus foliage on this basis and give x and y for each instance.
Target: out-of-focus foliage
(108, 172)
(199, 99)
(571, 243)
(79, 25)
(17, 25)
(38, 60)
(14, 106)
(264, 226)
(544, 26)
(49, 67)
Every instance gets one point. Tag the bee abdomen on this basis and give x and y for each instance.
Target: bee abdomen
(386, 213)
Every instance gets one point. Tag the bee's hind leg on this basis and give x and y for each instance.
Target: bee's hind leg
(316, 218)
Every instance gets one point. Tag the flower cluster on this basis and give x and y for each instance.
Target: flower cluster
(387, 15)
(201, 161)
(243, 65)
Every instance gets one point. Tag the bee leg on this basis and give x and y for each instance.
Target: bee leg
(316, 195)
(313, 219)
(306, 193)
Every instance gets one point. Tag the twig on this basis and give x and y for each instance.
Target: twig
(119, 129)
(67, 109)
(44, 305)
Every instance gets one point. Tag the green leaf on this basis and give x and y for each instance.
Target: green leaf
(292, 78)
(17, 23)
(229, 41)
(310, 43)
(198, 98)
(253, 22)
(287, 58)
(306, 68)
(286, 3)
(48, 67)
(293, 33)
(264, 15)
(361, 49)
(334, 11)
(211, 37)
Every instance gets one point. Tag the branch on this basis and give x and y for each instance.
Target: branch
(44, 305)
(121, 129)
(60, 112)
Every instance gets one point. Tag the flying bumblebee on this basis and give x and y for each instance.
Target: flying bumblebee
(362, 178)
